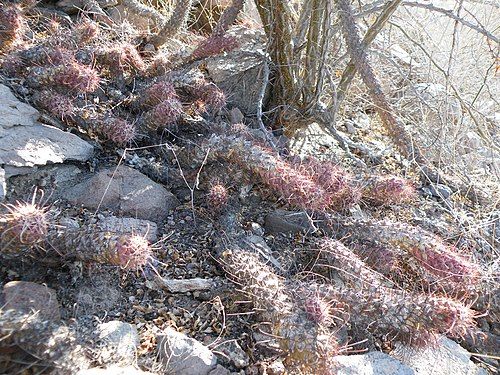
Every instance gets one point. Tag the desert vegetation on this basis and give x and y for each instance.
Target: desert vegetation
(375, 122)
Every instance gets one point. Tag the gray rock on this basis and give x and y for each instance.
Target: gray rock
(3, 186)
(220, 370)
(238, 73)
(237, 356)
(114, 370)
(440, 191)
(27, 143)
(373, 363)
(447, 358)
(28, 297)
(183, 355)
(276, 368)
(127, 225)
(124, 191)
(281, 221)
(14, 112)
(118, 340)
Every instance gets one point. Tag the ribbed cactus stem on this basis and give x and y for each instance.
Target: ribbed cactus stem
(175, 23)
(307, 344)
(131, 252)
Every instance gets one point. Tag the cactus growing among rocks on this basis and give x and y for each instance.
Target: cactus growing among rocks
(11, 26)
(164, 115)
(116, 130)
(385, 190)
(24, 225)
(217, 197)
(59, 105)
(71, 77)
(307, 345)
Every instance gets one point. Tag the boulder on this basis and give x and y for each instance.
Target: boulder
(3, 186)
(443, 359)
(26, 143)
(118, 340)
(239, 73)
(282, 221)
(183, 355)
(124, 191)
(28, 297)
(373, 363)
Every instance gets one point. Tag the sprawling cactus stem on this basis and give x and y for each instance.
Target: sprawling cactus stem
(143, 10)
(386, 190)
(351, 269)
(299, 186)
(414, 319)
(11, 26)
(360, 58)
(54, 344)
(131, 252)
(432, 262)
(228, 17)
(309, 345)
(174, 24)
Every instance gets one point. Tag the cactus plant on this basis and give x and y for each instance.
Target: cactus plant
(71, 77)
(217, 196)
(11, 26)
(116, 130)
(24, 225)
(164, 115)
(385, 190)
(59, 105)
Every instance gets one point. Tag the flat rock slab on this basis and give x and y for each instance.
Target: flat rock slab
(126, 192)
(183, 355)
(26, 143)
(446, 358)
(28, 297)
(120, 340)
(373, 363)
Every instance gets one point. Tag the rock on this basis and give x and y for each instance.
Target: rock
(182, 285)
(440, 191)
(3, 186)
(28, 297)
(373, 363)
(281, 221)
(447, 358)
(237, 356)
(238, 73)
(220, 370)
(14, 112)
(144, 228)
(276, 368)
(183, 355)
(27, 143)
(235, 116)
(75, 6)
(118, 340)
(114, 370)
(124, 191)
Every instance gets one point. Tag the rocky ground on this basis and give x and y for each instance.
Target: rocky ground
(183, 312)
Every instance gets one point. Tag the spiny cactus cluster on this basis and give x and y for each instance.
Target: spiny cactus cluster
(308, 342)
(11, 26)
(26, 227)
(309, 185)
(217, 197)
(386, 190)
(416, 256)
